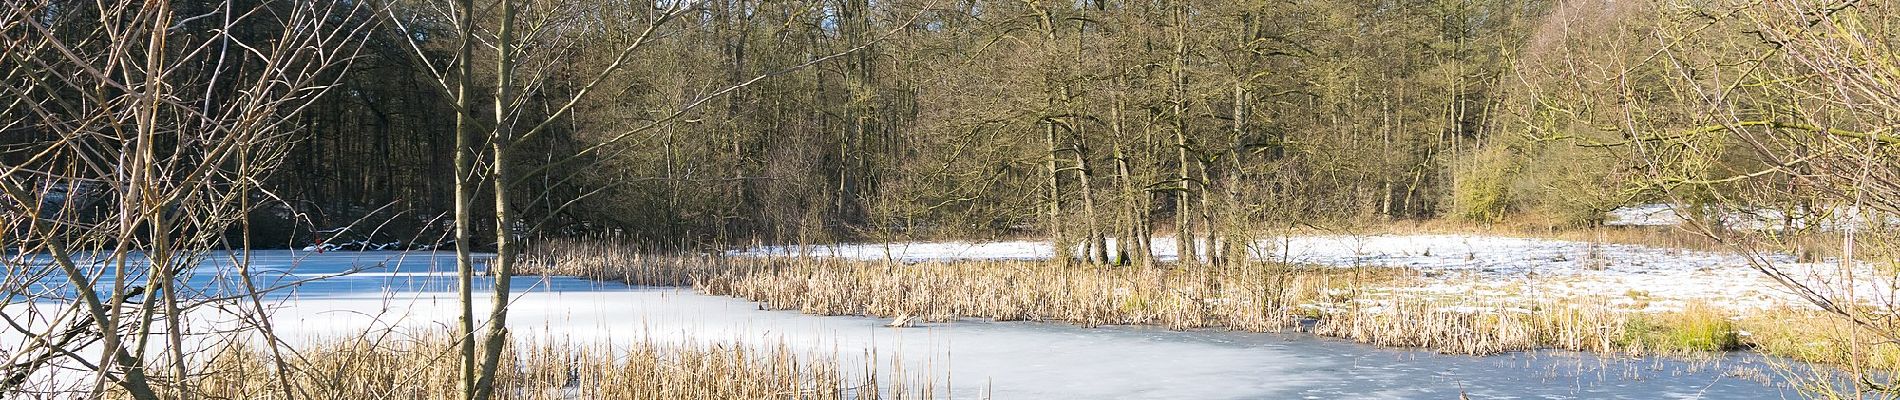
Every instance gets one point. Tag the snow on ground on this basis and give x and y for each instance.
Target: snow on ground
(1644, 215)
(1483, 269)
(1823, 218)
(914, 251)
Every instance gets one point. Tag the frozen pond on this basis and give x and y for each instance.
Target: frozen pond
(977, 358)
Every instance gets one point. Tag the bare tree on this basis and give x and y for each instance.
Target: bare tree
(136, 133)
(1771, 125)
(533, 45)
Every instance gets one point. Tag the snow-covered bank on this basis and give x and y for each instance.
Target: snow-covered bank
(1490, 269)
(1482, 269)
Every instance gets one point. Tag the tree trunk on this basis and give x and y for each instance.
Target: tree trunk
(1058, 235)
(1235, 244)
(1132, 245)
(1183, 215)
(1098, 245)
(501, 269)
(464, 181)
(1209, 243)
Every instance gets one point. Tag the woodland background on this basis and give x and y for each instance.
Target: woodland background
(1077, 120)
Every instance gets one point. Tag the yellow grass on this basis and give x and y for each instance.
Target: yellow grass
(424, 369)
(1354, 303)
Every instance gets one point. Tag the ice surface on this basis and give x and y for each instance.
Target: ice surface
(1056, 361)
(972, 358)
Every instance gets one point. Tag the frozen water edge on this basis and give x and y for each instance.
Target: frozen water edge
(1008, 360)
(1058, 361)
(1482, 267)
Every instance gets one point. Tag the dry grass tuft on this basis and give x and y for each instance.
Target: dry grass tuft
(424, 369)
(1460, 331)
(609, 260)
(1575, 325)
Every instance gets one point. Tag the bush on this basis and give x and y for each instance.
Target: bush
(1574, 188)
(1697, 327)
(1480, 186)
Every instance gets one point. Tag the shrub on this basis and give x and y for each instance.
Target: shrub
(1480, 186)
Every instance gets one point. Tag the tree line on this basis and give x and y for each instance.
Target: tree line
(1091, 122)
(1078, 120)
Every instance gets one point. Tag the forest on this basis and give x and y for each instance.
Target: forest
(971, 119)
(974, 119)
(798, 121)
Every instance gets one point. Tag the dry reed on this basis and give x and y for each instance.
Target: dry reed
(424, 369)
(1569, 324)
(1360, 304)
(1256, 297)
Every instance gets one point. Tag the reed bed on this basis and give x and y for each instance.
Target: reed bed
(424, 369)
(607, 260)
(1257, 297)
(1365, 304)
(1570, 324)
(1260, 298)
(1815, 338)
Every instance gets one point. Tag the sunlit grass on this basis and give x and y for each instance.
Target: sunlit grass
(1365, 304)
(423, 368)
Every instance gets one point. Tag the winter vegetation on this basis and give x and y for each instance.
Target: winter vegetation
(487, 199)
(1468, 306)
